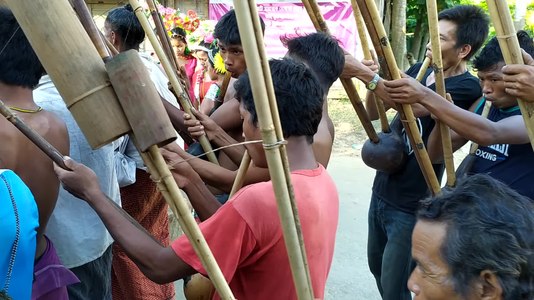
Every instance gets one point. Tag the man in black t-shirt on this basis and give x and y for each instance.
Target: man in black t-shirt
(395, 198)
(505, 152)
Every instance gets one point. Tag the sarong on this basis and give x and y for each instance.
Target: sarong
(144, 203)
(51, 278)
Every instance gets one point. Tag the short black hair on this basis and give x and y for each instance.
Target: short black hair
(298, 95)
(179, 33)
(489, 227)
(226, 29)
(321, 53)
(491, 54)
(472, 26)
(19, 65)
(126, 25)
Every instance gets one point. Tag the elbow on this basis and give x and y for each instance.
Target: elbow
(156, 271)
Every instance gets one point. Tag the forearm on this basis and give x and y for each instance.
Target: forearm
(202, 199)
(222, 139)
(210, 173)
(177, 119)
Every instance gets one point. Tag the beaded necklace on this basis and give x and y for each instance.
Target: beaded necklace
(28, 111)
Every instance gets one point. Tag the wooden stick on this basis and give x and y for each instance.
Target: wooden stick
(424, 67)
(172, 194)
(320, 25)
(484, 114)
(437, 66)
(33, 136)
(241, 172)
(362, 33)
(262, 87)
(162, 34)
(88, 23)
(224, 89)
(381, 43)
(183, 96)
(511, 51)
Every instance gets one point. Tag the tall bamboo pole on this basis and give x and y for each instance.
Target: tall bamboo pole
(183, 96)
(511, 51)
(87, 22)
(362, 33)
(381, 43)
(241, 172)
(424, 67)
(162, 34)
(262, 87)
(320, 25)
(437, 66)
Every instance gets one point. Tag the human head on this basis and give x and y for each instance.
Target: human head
(229, 40)
(299, 98)
(123, 29)
(19, 65)
(214, 63)
(474, 240)
(179, 41)
(321, 53)
(201, 53)
(463, 29)
(489, 65)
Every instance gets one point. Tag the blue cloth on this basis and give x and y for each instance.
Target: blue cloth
(389, 248)
(20, 286)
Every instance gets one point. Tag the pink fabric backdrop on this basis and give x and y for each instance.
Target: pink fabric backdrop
(289, 18)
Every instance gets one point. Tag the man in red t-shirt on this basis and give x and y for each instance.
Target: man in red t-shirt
(245, 234)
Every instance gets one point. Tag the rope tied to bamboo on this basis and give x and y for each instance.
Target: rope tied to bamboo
(88, 93)
(274, 145)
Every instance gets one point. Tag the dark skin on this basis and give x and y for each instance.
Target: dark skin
(158, 263)
(24, 158)
(519, 79)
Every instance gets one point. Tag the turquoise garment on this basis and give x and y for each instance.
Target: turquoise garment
(20, 286)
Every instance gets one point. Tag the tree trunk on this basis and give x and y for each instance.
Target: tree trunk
(398, 32)
(416, 41)
(387, 16)
(424, 42)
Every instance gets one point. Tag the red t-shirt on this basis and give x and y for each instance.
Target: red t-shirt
(245, 236)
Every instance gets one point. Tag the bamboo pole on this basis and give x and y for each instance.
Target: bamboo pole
(89, 25)
(381, 43)
(437, 66)
(507, 37)
(241, 172)
(183, 96)
(424, 67)
(362, 33)
(262, 87)
(320, 25)
(162, 34)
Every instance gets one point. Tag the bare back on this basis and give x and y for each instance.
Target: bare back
(31, 164)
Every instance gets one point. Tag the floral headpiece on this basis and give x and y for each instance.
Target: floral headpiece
(173, 18)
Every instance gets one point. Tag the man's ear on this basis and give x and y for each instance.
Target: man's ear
(464, 51)
(488, 287)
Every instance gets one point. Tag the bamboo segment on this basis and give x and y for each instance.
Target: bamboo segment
(362, 33)
(183, 96)
(320, 25)
(241, 172)
(437, 66)
(162, 34)
(381, 44)
(65, 51)
(424, 67)
(33, 136)
(262, 87)
(87, 22)
(511, 51)
(172, 194)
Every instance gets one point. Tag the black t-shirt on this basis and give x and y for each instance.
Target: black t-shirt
(509, 163)
(405, 188)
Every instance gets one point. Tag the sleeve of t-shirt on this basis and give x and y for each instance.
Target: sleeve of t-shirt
(413, 70)
(212, 93)
(465, 92)
(229, 237)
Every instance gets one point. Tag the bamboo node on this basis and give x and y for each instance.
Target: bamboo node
(274, 145)
(436, 68)
(408, 121)
(384, 41)
(506, 36)
(88, 93)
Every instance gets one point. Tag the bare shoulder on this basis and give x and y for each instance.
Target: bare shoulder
(52, 128)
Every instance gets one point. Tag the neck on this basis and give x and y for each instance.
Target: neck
(455, 70)
(18, 96)
(300, 154)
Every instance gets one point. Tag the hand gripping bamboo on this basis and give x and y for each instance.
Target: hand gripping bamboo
(320, 25)
(183, 96)
(381, 43)
(511, 51)
(269, 122)
(362, 33)
(437, 65)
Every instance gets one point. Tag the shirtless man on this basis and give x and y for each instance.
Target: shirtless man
(20, 71)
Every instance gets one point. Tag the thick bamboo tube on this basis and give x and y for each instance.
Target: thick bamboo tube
(262, 87)
(511, 51)
(183, 96)
(172, 194)
(381, 43)
(362, 33)
(437, 66)
(65, 51)
(320, 25)
(241, 172)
